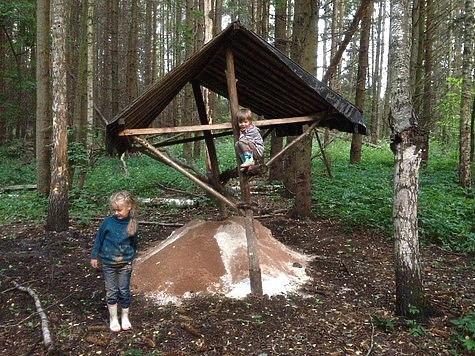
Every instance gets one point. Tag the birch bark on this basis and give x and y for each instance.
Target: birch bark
(406, 144)
(58, 212)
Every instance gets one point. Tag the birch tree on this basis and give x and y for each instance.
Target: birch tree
(407, 143)
(58, 212)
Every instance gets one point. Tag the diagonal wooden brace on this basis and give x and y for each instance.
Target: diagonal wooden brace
(183, 171)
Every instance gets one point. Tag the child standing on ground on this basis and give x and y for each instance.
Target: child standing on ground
(116, 245)
(250, 145)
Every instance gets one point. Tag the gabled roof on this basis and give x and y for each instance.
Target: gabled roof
(268, 83)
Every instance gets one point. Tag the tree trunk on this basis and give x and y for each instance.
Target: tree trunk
(43, 97)
(276, 144)
(464, 141)
(3, 130)
(114, 51)
(427, 118)
(80, 98)
(131, 79)
(303, 51)
(88, 142)
(217, 16)
(155, 39)
(407, 148)
(357, 138)
(376, 85)
(472, 132)
(188, 98)
(409, 288)
(336, 57)
(58, 212)
(148, 43)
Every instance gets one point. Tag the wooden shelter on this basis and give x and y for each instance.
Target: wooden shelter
(241, 66)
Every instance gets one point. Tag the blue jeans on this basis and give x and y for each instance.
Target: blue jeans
(117, 280)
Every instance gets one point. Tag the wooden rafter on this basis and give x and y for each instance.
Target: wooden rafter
(222, 126)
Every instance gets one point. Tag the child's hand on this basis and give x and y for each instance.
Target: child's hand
(94, 262)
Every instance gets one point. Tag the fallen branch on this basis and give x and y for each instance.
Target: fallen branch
(44, 320)
(19, 187)
(372, 336)
(29, 316)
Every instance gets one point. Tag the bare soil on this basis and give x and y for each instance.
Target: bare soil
(348, 307)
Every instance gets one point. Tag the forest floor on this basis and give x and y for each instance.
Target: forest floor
(346, 309)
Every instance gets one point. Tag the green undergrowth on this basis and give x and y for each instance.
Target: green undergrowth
(362, 195)
(357, 195)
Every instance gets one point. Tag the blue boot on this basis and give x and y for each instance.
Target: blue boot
(247, 159)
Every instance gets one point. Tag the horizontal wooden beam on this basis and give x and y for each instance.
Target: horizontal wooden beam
(222, 126)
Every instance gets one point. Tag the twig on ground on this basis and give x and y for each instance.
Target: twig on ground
(44, 320)
(164, 187)
(372, 336)
(345, 266)
(13, 288)
(159, 223)
(268, 215)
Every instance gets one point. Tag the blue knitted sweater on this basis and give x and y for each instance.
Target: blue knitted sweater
(112, 243)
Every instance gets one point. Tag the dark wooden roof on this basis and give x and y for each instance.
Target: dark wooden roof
(268, 83)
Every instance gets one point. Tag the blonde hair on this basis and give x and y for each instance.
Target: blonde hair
(126, 197)
(243, 114)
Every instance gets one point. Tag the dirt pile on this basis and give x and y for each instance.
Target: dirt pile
(211, 257)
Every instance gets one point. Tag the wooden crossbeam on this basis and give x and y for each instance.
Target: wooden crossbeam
(222, 126)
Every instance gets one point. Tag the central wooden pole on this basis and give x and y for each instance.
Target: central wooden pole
(252, 252)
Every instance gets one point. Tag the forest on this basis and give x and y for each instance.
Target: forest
(387, 214)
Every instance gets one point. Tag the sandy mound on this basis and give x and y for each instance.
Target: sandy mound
(211, 257)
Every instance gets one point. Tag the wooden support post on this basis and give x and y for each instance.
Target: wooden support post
(324, 156)
(252, 252)
(210, 147)
(183, 171)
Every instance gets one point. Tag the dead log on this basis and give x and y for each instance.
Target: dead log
(19, 187)
(44, 320)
